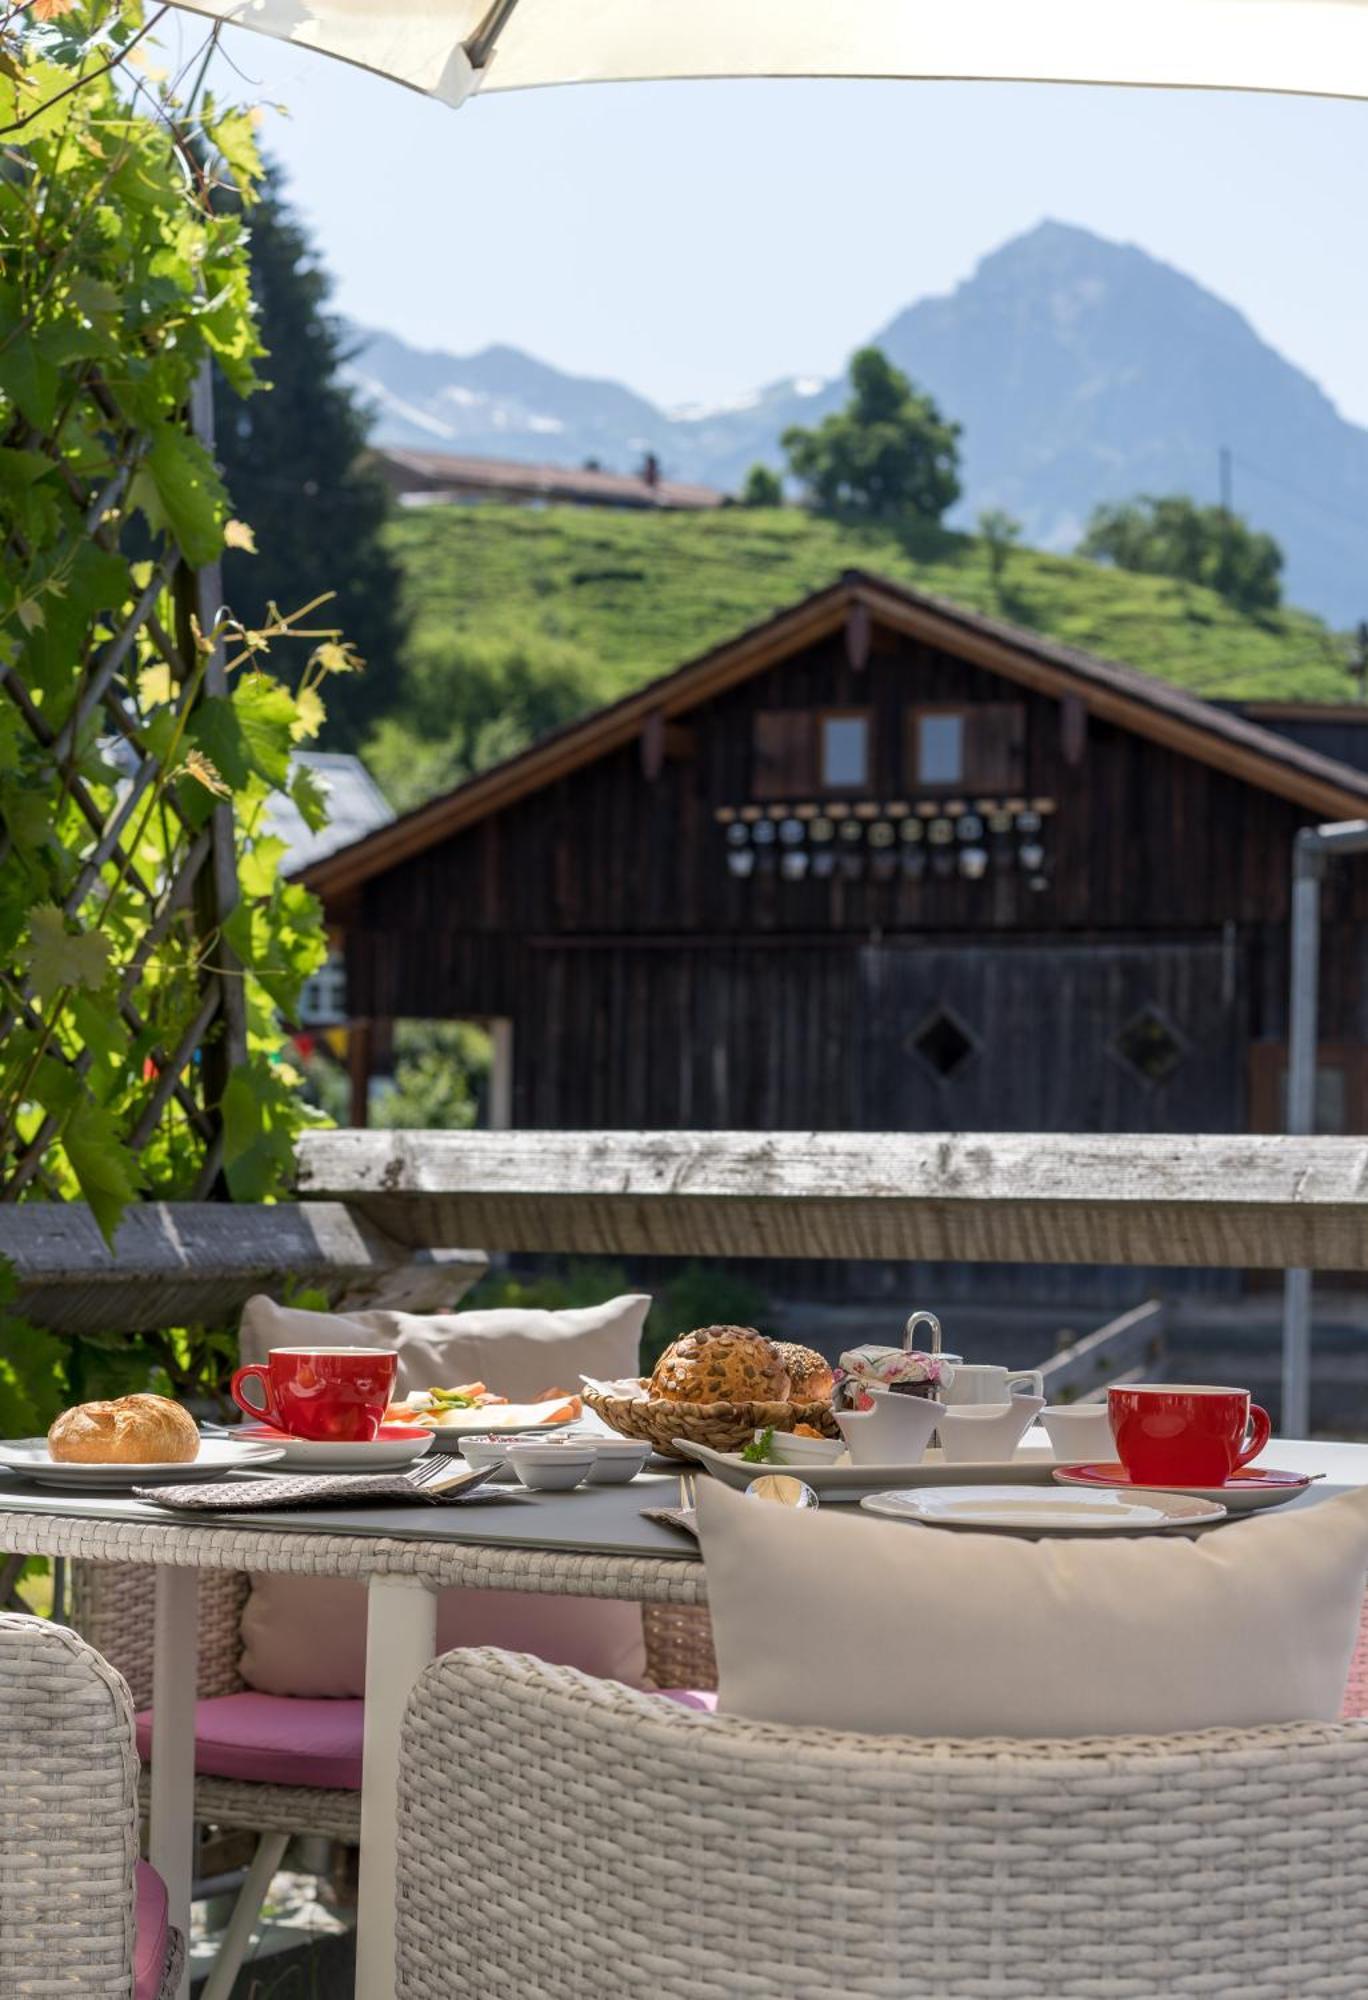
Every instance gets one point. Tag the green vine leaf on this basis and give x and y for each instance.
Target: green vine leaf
(56, 956)
(107, 1174)
(180, 492)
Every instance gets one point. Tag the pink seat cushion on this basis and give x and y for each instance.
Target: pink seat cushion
(284, 1739)
(702, 1699)
(275, 1739)
(151, 1932)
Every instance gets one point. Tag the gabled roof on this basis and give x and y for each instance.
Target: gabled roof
(1114, 693)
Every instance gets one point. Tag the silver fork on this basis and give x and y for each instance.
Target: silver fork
(438, 1472)
(687, 1493)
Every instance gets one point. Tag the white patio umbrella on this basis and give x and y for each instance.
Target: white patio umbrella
(450, 48)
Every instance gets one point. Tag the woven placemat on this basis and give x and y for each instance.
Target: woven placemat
(366, 1489)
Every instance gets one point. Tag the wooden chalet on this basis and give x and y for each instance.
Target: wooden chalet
(875, 864)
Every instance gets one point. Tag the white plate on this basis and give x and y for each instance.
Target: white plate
(835, 1483)
(216, 1456)
(333, 1455)
(1050, 1510)
(476, 1423)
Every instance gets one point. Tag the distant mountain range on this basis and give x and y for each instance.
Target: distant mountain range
(1081, 370)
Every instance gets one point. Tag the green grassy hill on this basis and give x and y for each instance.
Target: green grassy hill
(521, 618)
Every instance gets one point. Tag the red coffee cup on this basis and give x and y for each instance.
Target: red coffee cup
(321, 1392)
(1177, 1434)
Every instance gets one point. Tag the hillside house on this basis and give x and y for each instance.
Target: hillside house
(452, 479)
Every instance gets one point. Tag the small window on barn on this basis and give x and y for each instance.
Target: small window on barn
(980, 747)
(1150, 1047)
(844, 752)
(940, 750)
(943, 1043)
(783, 740)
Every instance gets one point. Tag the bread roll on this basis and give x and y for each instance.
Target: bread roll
(721, 1364)
(133, 1430)
(810, 1376)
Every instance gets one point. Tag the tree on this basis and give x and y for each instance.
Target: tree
(999, 532)
(763, 488)
(1172, 536)
(291, 458)
(889, 455)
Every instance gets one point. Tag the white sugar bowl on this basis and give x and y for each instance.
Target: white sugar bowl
(616, 1460)
(480, 1452)
(552, 1466)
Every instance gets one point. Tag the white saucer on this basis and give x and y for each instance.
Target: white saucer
(1050, 1510)
(30, 1457)
(382, 1454)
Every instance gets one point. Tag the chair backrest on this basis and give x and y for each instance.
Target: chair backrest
(68, 1816)
(560, 1835)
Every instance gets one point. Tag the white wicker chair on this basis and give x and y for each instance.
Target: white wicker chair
(563, 1839)
(113, 1607)
(68, 1821)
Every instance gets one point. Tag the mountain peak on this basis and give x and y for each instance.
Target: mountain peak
(1082, 370)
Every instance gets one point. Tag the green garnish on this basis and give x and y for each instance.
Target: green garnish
(760, 1451)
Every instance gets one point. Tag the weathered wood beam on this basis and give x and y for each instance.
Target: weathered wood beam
(1208, 1202)
(183, 1263)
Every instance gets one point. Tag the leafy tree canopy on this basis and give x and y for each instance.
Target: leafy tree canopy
(292, 460)
(1172, 536)
(888, 456)
(763, 488)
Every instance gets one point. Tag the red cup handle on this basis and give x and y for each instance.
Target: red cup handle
(266, 1411)
(1261, 1427)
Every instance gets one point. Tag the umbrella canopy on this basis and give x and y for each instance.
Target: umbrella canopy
(448, 48)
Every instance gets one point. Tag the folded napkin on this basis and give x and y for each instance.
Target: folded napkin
(430, 1488)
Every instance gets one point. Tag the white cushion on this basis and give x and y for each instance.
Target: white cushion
(536, 1350)
(307, 1635)
(836, 1619)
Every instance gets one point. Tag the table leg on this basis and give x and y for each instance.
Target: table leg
(175, 1672)
(401, 1637)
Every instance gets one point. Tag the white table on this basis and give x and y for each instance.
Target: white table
(591, 1543)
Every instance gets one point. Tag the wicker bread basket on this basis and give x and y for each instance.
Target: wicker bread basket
(724, 1426)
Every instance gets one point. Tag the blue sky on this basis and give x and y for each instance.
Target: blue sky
(695, 240)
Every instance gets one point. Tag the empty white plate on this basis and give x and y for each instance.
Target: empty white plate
(1045, 1510)
(216, 1456)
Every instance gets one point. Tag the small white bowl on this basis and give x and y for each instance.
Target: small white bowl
(1080, 1433)
(616, 1460)
(478, 1452)
(551, 1468)
(791, 1450)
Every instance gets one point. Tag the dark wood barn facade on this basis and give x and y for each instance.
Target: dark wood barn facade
(877, 864)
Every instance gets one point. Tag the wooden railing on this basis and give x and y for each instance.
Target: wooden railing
(1128, 1349)
(1207, 1202)
(187, 1263)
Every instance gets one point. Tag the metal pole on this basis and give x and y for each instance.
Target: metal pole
(1308, 865)
(1312, 848)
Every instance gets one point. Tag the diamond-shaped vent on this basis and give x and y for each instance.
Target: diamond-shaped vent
(1150, 1047)
(944, 1043)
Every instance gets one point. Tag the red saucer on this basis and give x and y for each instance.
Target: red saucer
(387, 1434)
(1252, 1486)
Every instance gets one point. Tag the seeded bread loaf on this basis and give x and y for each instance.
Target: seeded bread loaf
(721, 1364)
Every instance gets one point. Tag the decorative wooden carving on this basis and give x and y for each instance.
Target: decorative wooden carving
(859, 633)
(1073, 728)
